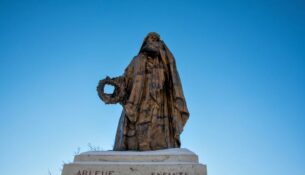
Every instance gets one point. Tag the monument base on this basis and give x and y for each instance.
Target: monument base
(161, 162)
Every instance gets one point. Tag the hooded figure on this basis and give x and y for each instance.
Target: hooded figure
(154, 108)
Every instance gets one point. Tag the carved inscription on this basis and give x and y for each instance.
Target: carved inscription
(169, 173)
(89, 172)
(95, 172)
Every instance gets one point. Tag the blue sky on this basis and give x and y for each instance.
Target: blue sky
(242, 65)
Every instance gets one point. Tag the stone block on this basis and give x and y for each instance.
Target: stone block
(161, 162)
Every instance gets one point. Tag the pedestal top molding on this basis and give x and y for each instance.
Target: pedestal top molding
(174, 161)
(168, 155)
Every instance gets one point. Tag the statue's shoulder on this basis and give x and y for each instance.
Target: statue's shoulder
(132, 63)
(136, 59)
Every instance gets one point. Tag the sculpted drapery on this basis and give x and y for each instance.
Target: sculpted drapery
(154, 108)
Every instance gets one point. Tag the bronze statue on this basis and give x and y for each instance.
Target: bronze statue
(154, 108)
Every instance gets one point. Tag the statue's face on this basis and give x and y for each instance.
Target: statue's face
(152, 38)
(152, 45)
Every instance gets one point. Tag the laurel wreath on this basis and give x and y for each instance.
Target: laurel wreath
(118, 93)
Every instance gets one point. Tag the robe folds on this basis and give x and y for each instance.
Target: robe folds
(154, 111)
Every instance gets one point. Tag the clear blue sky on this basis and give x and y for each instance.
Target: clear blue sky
(242, 65)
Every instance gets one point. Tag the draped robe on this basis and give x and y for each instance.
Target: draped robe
(154, 111)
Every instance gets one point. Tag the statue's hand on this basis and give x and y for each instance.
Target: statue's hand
(179, 103)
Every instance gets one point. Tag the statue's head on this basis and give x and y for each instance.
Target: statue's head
(152, 43)
(152, 36)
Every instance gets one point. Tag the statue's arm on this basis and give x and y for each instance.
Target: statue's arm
(122, 85)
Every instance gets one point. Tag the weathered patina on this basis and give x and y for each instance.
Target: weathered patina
(150, 91)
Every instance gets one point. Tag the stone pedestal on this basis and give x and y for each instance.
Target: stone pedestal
(161, 162)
